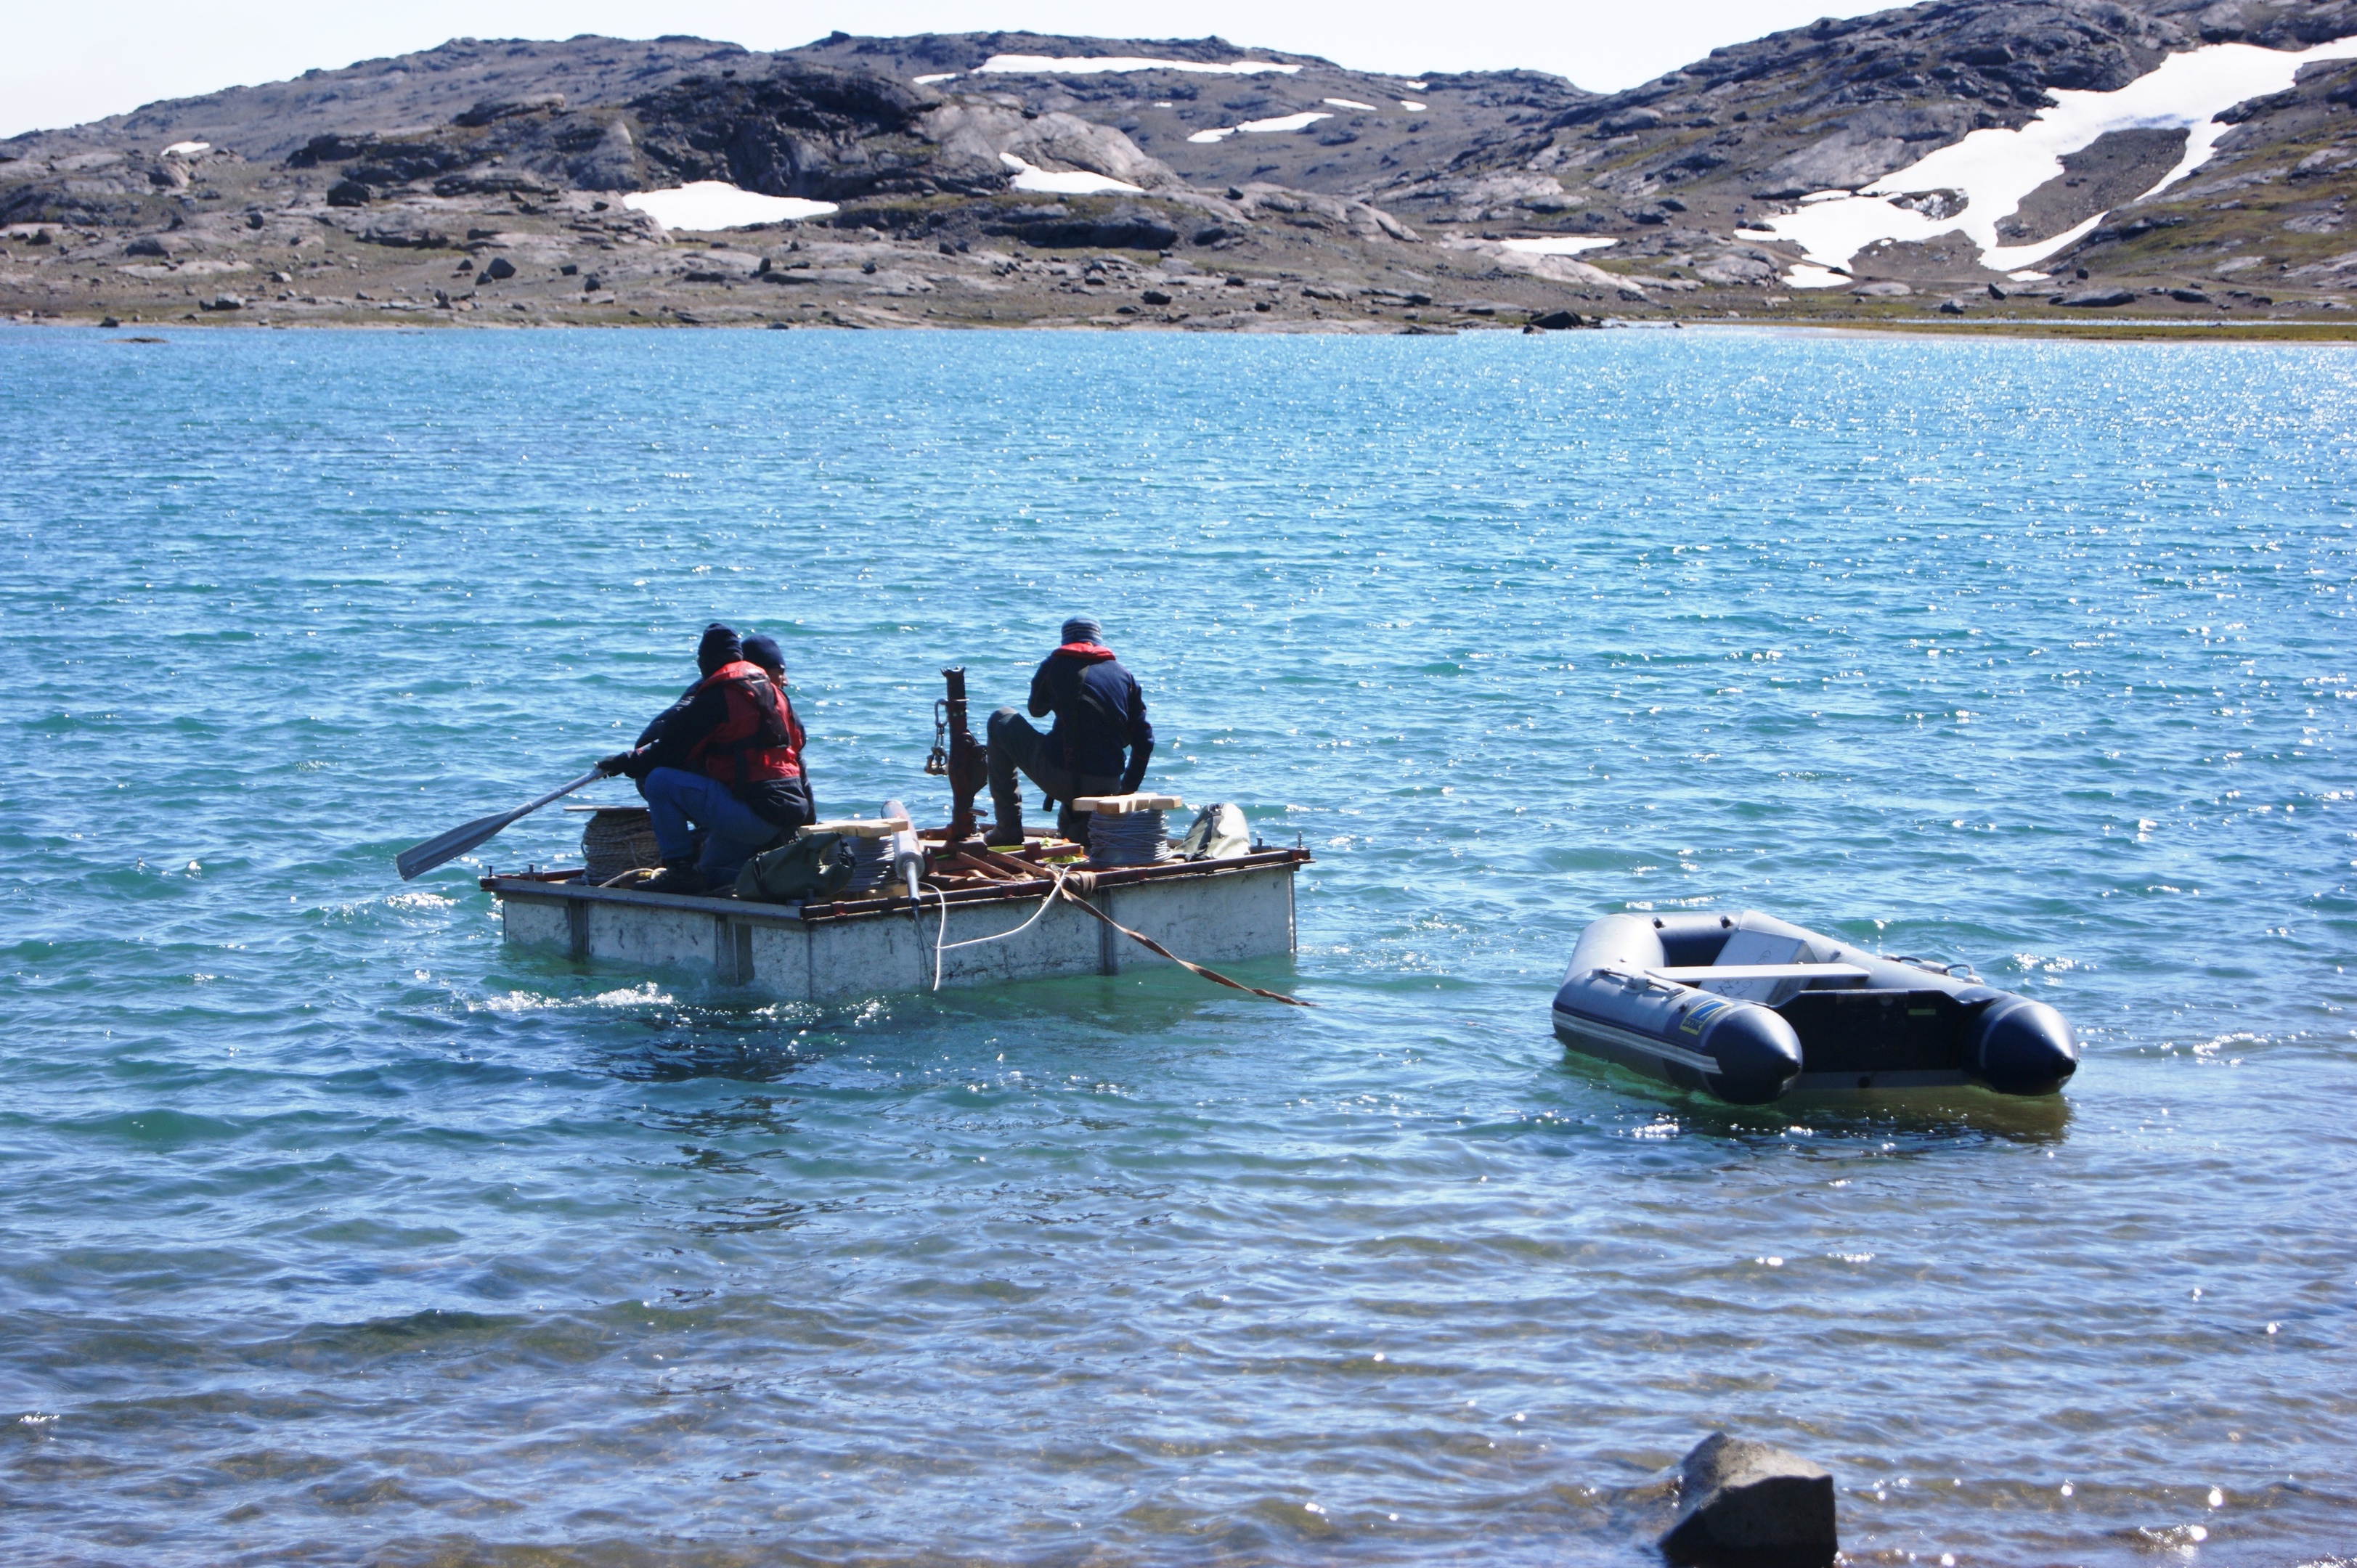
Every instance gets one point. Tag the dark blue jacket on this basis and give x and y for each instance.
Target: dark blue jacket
(1099, 714)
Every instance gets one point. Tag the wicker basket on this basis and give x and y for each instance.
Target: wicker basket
(617, 839)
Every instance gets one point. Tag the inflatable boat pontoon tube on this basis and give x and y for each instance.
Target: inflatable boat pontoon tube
(1749, 1008)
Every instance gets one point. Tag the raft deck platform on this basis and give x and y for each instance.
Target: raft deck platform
(1211, 911)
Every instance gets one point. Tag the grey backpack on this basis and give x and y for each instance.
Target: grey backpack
(1220, 832)
(797, 871)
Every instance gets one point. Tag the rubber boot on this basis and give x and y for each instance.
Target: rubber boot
(1007, 824)
(677, 875)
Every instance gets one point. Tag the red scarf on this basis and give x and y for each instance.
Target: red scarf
(1087, 653)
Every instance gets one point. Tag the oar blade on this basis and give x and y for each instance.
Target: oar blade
(418, 859)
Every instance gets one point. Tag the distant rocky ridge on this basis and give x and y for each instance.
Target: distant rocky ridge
(1332, 197)
(1742, 134)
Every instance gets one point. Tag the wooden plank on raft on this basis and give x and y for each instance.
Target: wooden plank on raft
(857, 828)
(1022, 870)
(1122, 805)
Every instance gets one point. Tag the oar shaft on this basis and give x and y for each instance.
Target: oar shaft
(558, 794)
(419, 859)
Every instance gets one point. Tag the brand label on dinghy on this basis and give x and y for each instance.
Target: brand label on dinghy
(1704, 1011)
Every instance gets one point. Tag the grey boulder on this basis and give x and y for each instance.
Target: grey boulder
(1748, 1505)
(1738, 270)
(491, 109)
(1864, 146)
(611, 163)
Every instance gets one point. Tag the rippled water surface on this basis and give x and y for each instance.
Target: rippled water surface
(330, 1232)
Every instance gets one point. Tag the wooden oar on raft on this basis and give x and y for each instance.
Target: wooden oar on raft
(418, 859)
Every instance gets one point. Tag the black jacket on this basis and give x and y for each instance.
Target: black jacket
(674, 733)
(1100, 713)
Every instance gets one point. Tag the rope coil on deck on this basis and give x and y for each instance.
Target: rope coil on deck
(871, 865)
(1133, 838)
(616, 840)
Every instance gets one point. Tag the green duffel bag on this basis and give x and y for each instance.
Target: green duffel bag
(797, 871)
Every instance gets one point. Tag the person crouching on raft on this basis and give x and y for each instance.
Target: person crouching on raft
(726, 759)
(1099, 714)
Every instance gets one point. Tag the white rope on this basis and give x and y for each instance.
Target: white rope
(1058, 891)
(941, 947)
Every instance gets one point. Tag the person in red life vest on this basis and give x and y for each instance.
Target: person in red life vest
(1100, 715)
(725, 758)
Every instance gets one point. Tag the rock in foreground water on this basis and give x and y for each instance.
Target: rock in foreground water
(1748, 1505)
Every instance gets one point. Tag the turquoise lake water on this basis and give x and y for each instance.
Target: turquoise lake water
(331, 1232)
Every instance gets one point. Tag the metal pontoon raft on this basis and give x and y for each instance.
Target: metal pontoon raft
(957, 913)
(1211, 911)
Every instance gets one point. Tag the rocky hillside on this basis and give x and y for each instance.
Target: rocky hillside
(1673, 169)
(1012, 177)
(609, 78)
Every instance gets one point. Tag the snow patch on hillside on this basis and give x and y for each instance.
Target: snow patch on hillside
(1091, 65)
(1067, 182)
(1997, 170)
(1301, 121)
(1558, 246)
(707, 204)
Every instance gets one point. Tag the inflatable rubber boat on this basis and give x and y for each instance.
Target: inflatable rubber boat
(1749, 1008)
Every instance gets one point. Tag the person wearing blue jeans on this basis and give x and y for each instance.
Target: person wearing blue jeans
(725, 758)
(680, 803)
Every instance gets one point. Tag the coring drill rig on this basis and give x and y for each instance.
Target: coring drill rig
(958, 756)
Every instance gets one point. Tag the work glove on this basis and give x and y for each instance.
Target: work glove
(618, 762)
